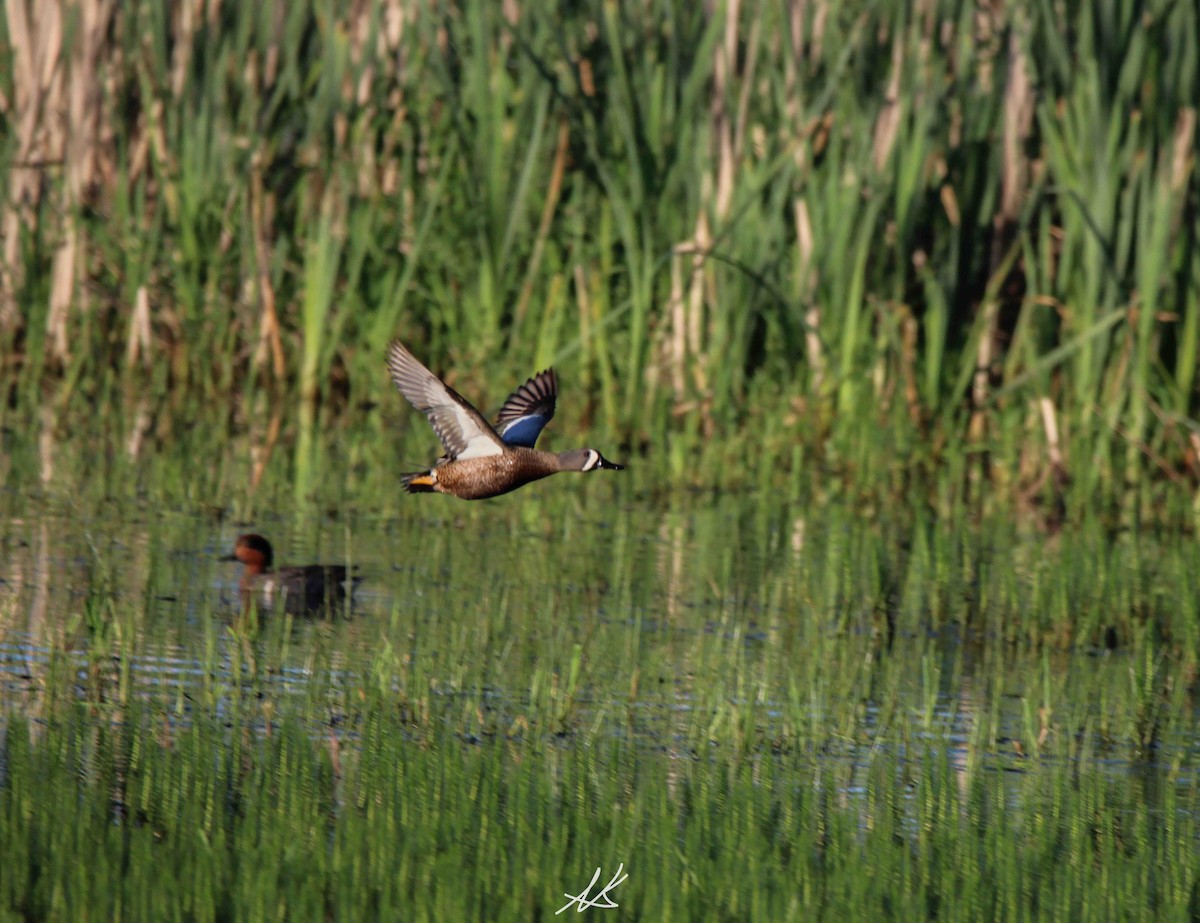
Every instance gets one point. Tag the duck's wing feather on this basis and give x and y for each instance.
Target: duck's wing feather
(460, 427)
(528, 409)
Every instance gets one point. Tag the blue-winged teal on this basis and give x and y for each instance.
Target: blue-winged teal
(482, 461)
(309, 589)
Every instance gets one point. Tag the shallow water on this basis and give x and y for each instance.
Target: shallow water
(675, 627)
(744, 699)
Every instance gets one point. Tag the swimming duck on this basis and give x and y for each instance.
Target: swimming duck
(481, 460)
(309, 589)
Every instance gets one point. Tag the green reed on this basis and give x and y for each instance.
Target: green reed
(892, 613)
(865, 224)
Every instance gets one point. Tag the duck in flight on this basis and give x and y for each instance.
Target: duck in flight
(481, 460)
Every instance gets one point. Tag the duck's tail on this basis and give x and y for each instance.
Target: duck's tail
(419, 482)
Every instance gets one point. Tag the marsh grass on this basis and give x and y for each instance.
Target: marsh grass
(245, 815)
(892, 314)
(946, 253)
(761, 708)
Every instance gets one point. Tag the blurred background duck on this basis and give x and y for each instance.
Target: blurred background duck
(308, 589)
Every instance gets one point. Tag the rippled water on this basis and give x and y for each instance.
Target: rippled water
(678, 620)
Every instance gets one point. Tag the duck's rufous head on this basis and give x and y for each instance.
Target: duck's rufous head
(254, 551)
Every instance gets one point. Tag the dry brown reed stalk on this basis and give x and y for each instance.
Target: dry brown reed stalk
(1183, 150)
(887, 124)
(675, 348)
(723, 130)
(36, 36)
(808, 45)
(139, 429)
(1192, 453)
(1018, 119)
(374, 42)
(553, 193)
(62, 121)
(137, 346)
(685, 313)
(792, 66)
(261, 449)
(686, 331)
(807, 273)
(583, 299)
(186, 20)
(1053, 441)
(909, 336)
(807, 276)
(86, 161)
(270, 339)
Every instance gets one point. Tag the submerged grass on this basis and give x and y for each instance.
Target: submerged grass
(234, 815)
(763, 711)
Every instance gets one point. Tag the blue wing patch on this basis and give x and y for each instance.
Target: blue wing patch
(523, 430)
(527, 410)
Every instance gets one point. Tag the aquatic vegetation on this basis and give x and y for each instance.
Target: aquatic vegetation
(893, 315)
(209, 822)
(890, 256)
(753, 722)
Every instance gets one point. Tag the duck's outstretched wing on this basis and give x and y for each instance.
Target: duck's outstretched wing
(460, 427)
(528, 409)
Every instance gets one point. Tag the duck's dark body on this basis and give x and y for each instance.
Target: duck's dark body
(308, 589)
